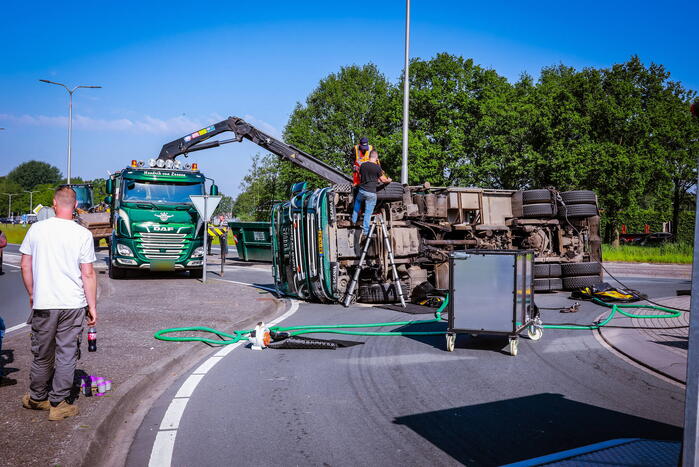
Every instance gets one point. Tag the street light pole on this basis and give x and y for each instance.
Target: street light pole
(406, 95)
(9, 207)
(31, 198)
(70, 116)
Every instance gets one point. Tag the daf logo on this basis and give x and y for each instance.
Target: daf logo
(163, 229)
(163, 216)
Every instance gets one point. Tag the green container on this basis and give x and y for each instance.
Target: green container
(254, 241)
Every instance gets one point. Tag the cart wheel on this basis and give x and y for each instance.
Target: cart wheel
(535, 332)
(513, 347)
(451, 340)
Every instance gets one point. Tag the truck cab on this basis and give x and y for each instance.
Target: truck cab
(155, 225)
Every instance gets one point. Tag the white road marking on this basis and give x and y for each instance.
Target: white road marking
(14, 328)
(162, 448)
(189, 386)
(164, 444)
(12, 265)
(171, 419)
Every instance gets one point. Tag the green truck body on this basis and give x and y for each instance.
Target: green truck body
(155, 225)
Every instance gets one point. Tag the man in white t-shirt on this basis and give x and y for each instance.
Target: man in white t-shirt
(57, 270)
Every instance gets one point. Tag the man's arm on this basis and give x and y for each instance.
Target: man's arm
(87, 271)
(28, 277)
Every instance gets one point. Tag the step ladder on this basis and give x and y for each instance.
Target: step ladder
(375, 219)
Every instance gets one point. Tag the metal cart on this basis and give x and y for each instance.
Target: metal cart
(491, 292)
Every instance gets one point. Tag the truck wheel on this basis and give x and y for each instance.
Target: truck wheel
(541, 285)
(578, 282)
(196, 273)
(581, 269)
(579, 197)
(576, 211)
(115, 272)
(390, 192)
(536, 196)
(547, 270)
(539, 210)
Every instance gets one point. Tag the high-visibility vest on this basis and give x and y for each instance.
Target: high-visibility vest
(360, 158)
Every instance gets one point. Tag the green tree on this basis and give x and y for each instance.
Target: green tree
(33, 173)
(225, 206)
(261, 188)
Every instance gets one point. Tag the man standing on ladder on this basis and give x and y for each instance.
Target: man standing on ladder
(361, 155)
(370, 174)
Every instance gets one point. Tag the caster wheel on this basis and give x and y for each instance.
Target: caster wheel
(451, 340)
(535, 332)
(514, 345)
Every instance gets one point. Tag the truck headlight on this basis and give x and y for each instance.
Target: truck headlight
(198, 251)
(124, 250)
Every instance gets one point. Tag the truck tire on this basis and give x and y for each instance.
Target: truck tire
(196, 273)
(539, 210)
(581, 269)
(115, 272)
(578, 282)
(547, 270)
(389, 192)
(579, 197)
(536, 196)
(577, 211)
(547, 285)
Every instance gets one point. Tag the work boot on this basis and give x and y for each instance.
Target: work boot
(63, 410)
(29, 403)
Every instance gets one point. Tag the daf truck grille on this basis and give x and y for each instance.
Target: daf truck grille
(161, 245)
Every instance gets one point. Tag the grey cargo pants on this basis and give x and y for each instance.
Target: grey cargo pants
(55, 340)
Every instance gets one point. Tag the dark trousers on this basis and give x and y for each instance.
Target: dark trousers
(55, 341)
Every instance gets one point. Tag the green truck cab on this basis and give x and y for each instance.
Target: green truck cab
(155, 224)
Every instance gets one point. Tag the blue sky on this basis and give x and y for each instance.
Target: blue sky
(170, 68)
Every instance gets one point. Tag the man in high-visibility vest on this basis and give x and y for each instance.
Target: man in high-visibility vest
(361, 155)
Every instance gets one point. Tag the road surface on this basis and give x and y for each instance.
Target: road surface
(406, 401)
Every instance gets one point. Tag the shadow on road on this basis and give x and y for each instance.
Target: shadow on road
(512, 430)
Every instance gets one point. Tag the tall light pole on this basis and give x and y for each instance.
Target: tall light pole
(406, 95)
(31, 198)
(70, 115)
(9, 207)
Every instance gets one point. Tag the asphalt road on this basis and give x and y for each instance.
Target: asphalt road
(406, 401)
(14, 305)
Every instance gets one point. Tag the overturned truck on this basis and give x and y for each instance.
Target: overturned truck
(316, 248)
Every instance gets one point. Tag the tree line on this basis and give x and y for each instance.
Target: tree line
(43, 179)
(624, 131)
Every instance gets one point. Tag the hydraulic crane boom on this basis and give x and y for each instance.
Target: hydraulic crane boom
(241, 129)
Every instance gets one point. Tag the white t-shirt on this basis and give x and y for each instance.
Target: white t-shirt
(58, 247)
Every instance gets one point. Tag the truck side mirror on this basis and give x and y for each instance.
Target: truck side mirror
(108, 199)
(110, 186)
(214, 190)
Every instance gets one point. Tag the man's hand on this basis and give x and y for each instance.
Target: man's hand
(91, 316)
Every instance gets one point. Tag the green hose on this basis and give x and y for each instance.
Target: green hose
(244, 335)
(617, 309)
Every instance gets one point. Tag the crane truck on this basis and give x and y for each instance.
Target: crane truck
(155, 225)
(316, 248)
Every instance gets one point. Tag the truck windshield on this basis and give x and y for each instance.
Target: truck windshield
(160, 192)
(83, 196)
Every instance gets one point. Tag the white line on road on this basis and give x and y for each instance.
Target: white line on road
(13, 265)
(164, 444)
(14, 328)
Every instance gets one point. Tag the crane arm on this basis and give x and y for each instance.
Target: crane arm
(243, 130)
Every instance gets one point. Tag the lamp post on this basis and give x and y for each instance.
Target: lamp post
(70, 115)
(9, 207)
(31, 198)
(406, 96)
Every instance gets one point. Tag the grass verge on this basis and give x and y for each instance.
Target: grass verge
(14, 232)
(678, 253)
